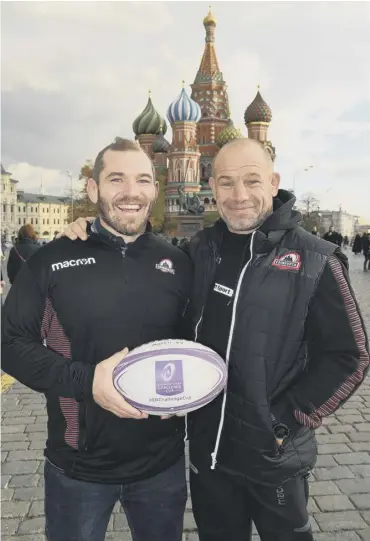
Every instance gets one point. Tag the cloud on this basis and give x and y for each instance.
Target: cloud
(76, 74)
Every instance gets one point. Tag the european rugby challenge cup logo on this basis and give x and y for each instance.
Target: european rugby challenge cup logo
(169, 378)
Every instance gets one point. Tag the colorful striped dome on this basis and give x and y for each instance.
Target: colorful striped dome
(149, 121)
(183, 109)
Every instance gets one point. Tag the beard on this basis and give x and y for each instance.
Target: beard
(128, 225)
(244, 224)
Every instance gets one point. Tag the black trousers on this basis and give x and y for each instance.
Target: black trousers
(224, 507)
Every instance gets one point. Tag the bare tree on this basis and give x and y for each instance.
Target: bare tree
(310, 211)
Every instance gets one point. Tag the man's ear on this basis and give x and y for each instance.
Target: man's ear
(92, 190)
(212, 184)
(275, 181)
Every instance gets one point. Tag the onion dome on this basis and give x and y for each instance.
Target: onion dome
(210, 19)
(229, 133)
(258, 111)
(160, 144)
(149, 122)
(184, 109)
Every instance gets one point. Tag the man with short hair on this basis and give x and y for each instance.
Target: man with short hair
(87, 301)
(333, 236)
(275, 302)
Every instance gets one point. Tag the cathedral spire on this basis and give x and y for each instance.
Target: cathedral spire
(209, 69)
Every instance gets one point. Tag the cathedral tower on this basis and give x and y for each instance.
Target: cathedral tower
(183, 160)
(209, 90)
(257, 118)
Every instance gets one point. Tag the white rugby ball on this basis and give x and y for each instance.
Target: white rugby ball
(168, 377)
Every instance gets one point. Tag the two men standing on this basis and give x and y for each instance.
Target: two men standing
(289, 329)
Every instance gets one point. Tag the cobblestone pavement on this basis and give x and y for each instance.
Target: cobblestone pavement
(340, 485)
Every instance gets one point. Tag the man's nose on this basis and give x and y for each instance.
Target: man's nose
(239, 192)
(130, 188)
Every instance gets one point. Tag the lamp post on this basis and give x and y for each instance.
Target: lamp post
(71, 179)
(300, 171)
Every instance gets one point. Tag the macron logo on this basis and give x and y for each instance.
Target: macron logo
(73, 263)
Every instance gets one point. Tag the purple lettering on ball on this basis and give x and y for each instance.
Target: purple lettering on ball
(169, 378)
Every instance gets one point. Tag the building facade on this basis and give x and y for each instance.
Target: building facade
(201, 124)
(343, 223)
(48, 214)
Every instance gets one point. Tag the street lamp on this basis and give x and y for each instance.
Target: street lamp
(71, 179)
(300, 171)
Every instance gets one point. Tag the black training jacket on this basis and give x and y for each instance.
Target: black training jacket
(297, 349)
(85, 301)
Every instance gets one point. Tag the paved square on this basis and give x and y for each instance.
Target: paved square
(340, 485)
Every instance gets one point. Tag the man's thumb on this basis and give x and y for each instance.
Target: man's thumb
(119, 356)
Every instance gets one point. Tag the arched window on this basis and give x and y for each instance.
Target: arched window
(213, 201)
(206, 201)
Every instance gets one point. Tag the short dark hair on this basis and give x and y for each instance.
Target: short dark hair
(119, 145)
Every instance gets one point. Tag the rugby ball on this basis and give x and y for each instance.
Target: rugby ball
(170, 377)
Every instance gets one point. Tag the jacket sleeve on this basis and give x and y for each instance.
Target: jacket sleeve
(338, 351)
(23, 354)
(13, 266)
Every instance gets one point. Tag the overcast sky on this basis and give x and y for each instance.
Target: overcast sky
(76, 74)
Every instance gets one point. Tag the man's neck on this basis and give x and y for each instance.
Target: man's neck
(126, 238)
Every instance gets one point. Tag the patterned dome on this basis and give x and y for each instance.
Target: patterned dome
(258, 111)
(229, 133)
(210, 18)
(149, 122)
(183, 109)
(160, 144)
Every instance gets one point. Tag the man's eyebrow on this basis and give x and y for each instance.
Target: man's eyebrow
(252, 175)
(140, 175)
(113, 174)
(224, 177)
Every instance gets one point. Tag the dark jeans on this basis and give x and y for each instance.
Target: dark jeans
(80, 511)
(366, 261)
(225, 506)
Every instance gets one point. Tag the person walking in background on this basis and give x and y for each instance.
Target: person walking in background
(25, 246)
(333, 236)
(357, 245)
(315, 231)
(345, 242)
(366, 250)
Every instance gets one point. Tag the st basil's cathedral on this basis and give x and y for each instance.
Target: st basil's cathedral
(201, 124)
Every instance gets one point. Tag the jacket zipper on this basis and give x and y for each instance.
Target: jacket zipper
(197, 325)
(229, 342)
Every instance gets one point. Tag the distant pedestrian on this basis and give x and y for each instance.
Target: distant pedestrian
(25, 246)
(333, 236)
(357, 245)
(366, 250)
(345, 242)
